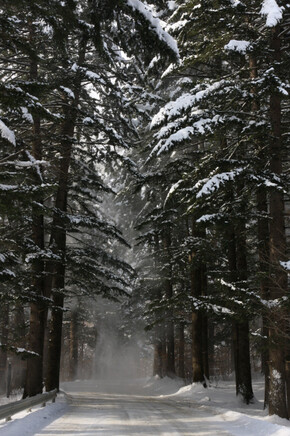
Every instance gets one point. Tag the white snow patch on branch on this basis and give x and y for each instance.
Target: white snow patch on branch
(208, 217)
(7, 272)
(172, 5)
(272, 11)
(239, 46)
(26, 115)
(68, 91)
(88, 121)
(286, 265)
(7, 133)
(36, 164)
(182, 103)
(155, 23)
(214, 182)
(178, 136)
(171, 191)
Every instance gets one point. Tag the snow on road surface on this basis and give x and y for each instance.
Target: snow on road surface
(154, 407)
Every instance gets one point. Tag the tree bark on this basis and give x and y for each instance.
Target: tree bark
(157, 363)
(169, 322)
(73, 345)
(181, 370)
(241, 347)
(205, 359)
(38, 311)
(243, 360)
(4, 330)
(277, 248)
(58, 235)
(196, 287)
(263, 251)
(263, 242)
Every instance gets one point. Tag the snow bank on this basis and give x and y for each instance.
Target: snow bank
(30, 424)
(163, 386)
(239, 425)
(236, 417)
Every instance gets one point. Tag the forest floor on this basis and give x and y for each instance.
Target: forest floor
(148, 407)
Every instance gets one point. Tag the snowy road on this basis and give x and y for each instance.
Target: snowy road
(118, 409)
(92, 414)
(144, 408)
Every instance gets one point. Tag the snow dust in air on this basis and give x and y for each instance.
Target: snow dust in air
(121, 351)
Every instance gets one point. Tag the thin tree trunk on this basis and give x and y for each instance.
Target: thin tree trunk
(277, 247)
(263, 243)
(169, 322)
(196, 287)
(164, 351)
(181, 371)
(157, 363)
(243, 359)
(38, 312)
(263, 250)
(4, 330)
(240, 329)
(73, 345)
(159, 344)
(205, 360)
(58, 235)
(19, 373)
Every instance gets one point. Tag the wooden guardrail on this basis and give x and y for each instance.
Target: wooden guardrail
(10, 409)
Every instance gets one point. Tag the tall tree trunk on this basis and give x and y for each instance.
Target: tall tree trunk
(38, 312)
(205, 350)
(169, 322)
(243, 360)
(181, 370)
(263, 241)
(19, 365)
(58, 234)
(263, 251)
(4, 330)
(205, 359)
(73, 345)
(196, 287)
(157, 363)
(277, 247)
(240, 330)
(159, 340)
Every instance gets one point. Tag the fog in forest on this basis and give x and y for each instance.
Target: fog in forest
(121, 350)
